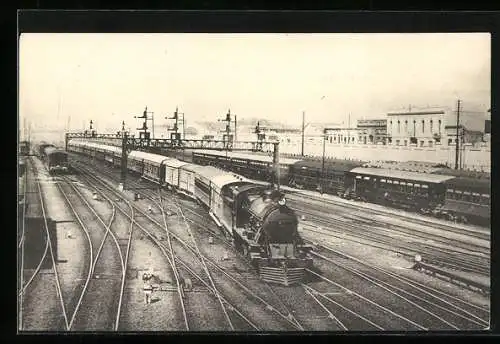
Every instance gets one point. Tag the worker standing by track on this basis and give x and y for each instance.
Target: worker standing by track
(148, 287)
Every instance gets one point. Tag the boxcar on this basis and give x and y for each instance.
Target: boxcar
(187, 174)
(172, 170)
(150, 166)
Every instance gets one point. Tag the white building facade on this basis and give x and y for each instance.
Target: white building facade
(428, 128)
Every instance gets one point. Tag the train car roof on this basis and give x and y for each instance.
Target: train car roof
(175, 163)
(460, 173)
(155, 158)
(405, 175)
(192, 167)
(245, 156)
(210, 172)
(226, 178)
(335, 164)
(54, 150)
(470, 184)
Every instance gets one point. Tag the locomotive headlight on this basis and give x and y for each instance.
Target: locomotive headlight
(282, 201)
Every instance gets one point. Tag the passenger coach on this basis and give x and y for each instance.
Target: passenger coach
(410, 190)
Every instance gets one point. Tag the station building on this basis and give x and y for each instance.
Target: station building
(343, 135)
(427, 128)
(372, 131)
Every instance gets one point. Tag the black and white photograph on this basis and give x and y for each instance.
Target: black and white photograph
(253, 182)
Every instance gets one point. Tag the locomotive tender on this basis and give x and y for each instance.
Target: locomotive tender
(262, 227)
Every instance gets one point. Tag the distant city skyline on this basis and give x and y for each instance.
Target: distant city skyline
(111, 77)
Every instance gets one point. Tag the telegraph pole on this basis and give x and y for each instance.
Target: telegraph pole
(276, 163)
(303, 129)
(235, 129)
(323, 163)
(123, 165)
(456, 142)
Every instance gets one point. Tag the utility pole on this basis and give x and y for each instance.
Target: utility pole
(323, 163)
(349, 129)
(276, 163)
(303, 130)
(123, 165)
(457, 142)
(235, 129)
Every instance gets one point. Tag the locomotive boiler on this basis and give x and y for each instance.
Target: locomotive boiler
(266, 233)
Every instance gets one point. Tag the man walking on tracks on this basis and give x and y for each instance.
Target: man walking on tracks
(148, 288)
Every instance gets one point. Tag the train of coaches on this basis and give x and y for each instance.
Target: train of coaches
(443, 193)
(262, 227)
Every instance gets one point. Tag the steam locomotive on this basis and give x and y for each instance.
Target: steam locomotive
(262, 227)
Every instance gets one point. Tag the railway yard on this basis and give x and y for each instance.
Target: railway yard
(82, 264)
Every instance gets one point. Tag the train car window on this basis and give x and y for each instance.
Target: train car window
(358, 177)
(395, 182)
(366, 178)
(476, 198)
(468, 196)
(416, 185)
(382, 180)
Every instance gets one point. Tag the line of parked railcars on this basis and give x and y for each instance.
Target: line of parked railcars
(263, 228)
(444, 193)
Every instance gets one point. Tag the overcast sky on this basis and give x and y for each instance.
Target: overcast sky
(111, 77)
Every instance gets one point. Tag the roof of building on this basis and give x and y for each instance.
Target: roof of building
(404, 175)
(430, 112)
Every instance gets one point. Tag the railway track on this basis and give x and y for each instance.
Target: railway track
(362, 219)
(230, 284)
(451, 311)
(98, 305)
(440, 255)
(351, 310)
(473, 232)
(40, 286)
(194, 271)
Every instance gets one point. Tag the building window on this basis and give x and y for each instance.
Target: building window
(399, 127)
(406, 126)
(431, 125)
(439, 124)
(397, 142)
(450, 141)
(414, 128)
(423, 126)
(421, 143)
(406, 143)
(430, 143)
